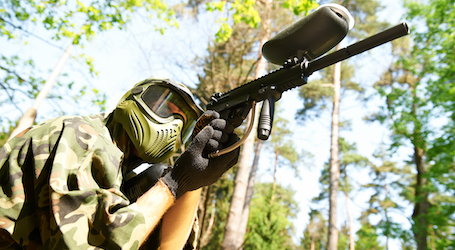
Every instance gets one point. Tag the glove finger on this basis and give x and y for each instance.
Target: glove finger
(200, 140)
(220, 136)
(204, 120)
(223, 125)
(212, 113)
(212, 146)
(219, 141)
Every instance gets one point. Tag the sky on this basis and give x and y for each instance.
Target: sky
(124, 58)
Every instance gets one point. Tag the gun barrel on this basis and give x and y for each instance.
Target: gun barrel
(359, 47)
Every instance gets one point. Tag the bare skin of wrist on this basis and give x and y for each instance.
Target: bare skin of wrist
(153, 210)
(178, 215)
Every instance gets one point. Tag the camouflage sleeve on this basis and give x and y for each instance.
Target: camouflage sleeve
(60, 189)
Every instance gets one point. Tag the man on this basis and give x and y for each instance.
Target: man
(61, 180)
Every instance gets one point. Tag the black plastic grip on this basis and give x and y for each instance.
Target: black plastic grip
(266, 118)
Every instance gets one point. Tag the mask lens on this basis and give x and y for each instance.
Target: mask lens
(165, 103)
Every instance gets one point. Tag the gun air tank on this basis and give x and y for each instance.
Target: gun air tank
(311, 36)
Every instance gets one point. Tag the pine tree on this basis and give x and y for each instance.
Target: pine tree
(364, 13)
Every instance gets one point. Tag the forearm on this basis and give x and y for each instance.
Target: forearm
(178, 221)
(153, 204)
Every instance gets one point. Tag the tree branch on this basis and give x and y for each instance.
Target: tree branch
(31, 34)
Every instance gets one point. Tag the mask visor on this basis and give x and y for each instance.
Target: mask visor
(165, 103)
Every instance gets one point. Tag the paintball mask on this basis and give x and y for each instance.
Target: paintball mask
(158, 115)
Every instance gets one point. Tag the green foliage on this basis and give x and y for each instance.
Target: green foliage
(365, 17)
(247, 12)
(269, 225)
(436, 42)
(78, 20)
(439, 17)
(18, 83)
(317, 94)
(343, 237)
(3, 138)
(389, 183)
(231, 61)
(232, 56)
(298, 7)
(349, 157)
(408, 113)
(220, 194)
(368, 238)
(228, 64)
(75, 22)
(244, 12)
(418, 90)
(315, 233)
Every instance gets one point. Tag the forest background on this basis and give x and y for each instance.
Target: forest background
(396, 182)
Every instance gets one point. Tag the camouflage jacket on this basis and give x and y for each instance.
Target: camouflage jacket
(60, 185)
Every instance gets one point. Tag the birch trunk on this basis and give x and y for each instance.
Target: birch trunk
(249, 191)
(232, 239)
(238, 198)
(421, 195)
(348, 211)
(332, 243)
(29, 116)
(272, 198)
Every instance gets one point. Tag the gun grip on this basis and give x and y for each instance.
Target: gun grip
(266, 118)
(201, 123)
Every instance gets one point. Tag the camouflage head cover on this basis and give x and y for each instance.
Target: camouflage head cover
(158, 115)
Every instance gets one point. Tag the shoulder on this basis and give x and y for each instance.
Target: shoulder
(71, 134)
(75, 131)
(79, 125)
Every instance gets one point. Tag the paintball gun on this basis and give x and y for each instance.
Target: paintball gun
(297, 49)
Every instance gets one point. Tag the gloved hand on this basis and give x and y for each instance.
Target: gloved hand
(194, 169)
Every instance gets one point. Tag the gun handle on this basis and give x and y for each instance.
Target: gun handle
(266, 118)
(201, 123)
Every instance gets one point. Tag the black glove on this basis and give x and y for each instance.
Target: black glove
(194, 169)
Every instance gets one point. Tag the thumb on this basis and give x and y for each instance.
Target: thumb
(200, 140)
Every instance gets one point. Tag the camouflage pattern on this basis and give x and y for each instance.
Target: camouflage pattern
(60, 189)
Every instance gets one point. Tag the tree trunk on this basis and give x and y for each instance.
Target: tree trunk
(205, 238)
(334, 159)
(386, 214)
(421, 195)
(274, 179)
(232, 240)
(238, 198)
(422, 205)
(29, 117)
(348, 211)
(203, 212)
(250, 191)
